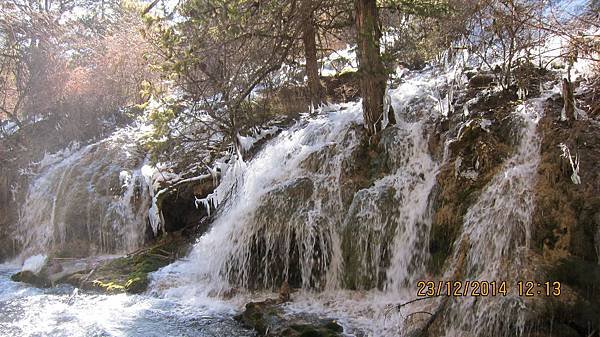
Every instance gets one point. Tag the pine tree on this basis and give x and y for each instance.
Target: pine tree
(370, 66)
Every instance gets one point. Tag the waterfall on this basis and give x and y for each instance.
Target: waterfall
(495, 237)
(282, 212)
(87, 201)
(298, 212)
(319, 208)
(309, 210)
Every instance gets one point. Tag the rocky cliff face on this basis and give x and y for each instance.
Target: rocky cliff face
(567, 221)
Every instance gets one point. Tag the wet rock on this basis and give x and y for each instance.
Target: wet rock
(314, 161)
(565, 228)
(284, 292)
(330, 329)
(260, 316)
(268, 319)
(177, 204)
(565, 221)
(111, 275)
(360, 269)
(130, 273)
(282, 210)
(29, 277)
(581, 310)
(477, 152)
(365, 164)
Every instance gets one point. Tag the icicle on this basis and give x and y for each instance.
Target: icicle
(14, 191)
(124, 179)
(566, 153)
(522, 93)
(387, 103)
(215, 175)
(206, 203)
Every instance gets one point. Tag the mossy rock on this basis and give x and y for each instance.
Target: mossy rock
(358, 275)
(581, 275)
(260, 316)
(479, 150)
(31, 278)
(267, 319)
(129, 274)
(567, 217)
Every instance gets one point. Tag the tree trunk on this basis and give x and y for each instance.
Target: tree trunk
(370, 66)
(568, 112)
(310, 53)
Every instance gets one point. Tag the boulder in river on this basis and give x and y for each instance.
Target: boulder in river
(268, 319)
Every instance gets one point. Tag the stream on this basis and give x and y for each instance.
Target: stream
(62, 311)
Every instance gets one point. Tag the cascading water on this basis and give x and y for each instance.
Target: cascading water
(88, 201)
(253, 216)
(308, 211)
(315, 208)
(64, 312)
(294, 213)
(495, 237)
(92, 200)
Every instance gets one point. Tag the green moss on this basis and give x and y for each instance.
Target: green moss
(109, 286)
(457, 194)
(130, 273)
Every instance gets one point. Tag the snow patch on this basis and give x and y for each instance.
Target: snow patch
(340, 62)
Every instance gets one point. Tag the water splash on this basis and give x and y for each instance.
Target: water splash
(34, 263)
(63, 311)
